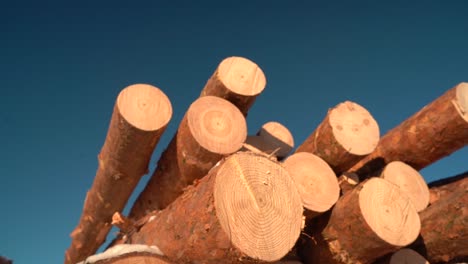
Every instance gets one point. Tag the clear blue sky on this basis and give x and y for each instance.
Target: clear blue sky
(62, 67)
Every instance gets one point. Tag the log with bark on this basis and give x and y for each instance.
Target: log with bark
(346, 135)
(238, 80)
(348, 181)
(128, 254)
(410, 182)
(211, 129)
(437, 130)
(373, 219)
(445, 186)
(273, 138)
(246, 209)
(315, 180)
(444, 225)
(140, 117)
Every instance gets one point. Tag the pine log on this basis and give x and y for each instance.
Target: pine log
(315, 180)
(237, 80)
(437, 130)
(445, 186)
(444, 226)
(373, 219)
(348, 181)
(128, 254)
(346, 135)
(211, 129)
(410, 182)
(140, 117)
(246, 208)
(273, 138)
(402, 256)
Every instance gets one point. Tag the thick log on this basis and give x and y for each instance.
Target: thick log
(373, 219)
(273, 139)
(128, 254)
(237, 80)
(315, 180)
(246, 208)
(211, 129)
(437, 130)
(348, 181)
(444, 226)
(405, 255)
(445, 186)
(410, 182)
(346, 135)
(140, 117)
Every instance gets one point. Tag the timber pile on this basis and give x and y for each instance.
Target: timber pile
(219, 195)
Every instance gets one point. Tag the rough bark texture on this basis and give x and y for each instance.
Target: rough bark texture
(444, 226)
(437, 130)
(123, 160)
(445, 186)
(347, 236)
(237, 80)
(203, 226)
(351, 119)
(188, 156)
(347, 182)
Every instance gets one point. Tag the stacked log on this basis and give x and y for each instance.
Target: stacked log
(211, 129)
(140, 117)
(373, 219)
(437, 130)
(238, 80)
(246, 209)
(273, 138)
(444, 224)
(315, 180)
(346, 135)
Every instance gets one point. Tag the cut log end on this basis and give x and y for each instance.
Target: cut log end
(241, 76)
(388, 213)
(217, 125)
(354, 128)
(252, 208)
(144, 107)
(410, 182)
(462, 100)
(407, 255)
(278, 137)
(315, 180)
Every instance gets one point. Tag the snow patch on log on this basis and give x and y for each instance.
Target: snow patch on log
(120, 250)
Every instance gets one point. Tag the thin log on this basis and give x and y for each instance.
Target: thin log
(405, 255)
(246, 208)
(444, 226)
(238, 80)
(273, 138)
(410, 182)
(140, 117)
(437, 130)
(315, 180)
(211, 129)
(373, 219)
(346, 135)
(128, 254)
(348, 181)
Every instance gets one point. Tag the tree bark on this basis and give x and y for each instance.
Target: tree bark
(347, 182)
(237, 80)
(246, 209)
(211, 129)
(128, 254)
(273, 139)
(315, 180)
(437, 130)
(410, 182)
(444, 226)
(346, 135)
(373, 219)
(445, 186)
(140, 117)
